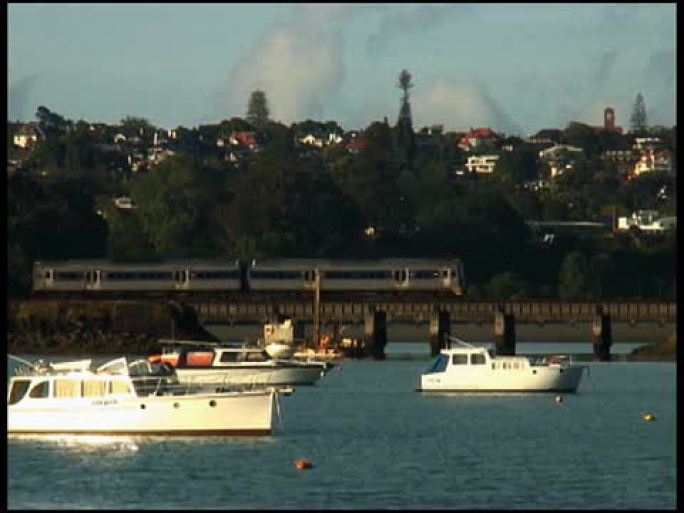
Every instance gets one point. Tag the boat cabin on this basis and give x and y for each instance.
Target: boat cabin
(475, 358)
(209, 354)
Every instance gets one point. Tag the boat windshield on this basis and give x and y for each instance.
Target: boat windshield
(439, 365)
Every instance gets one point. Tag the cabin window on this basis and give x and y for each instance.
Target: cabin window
(493, 366)
(229, 357)
(40, 391)
(255, 357)
(66, 388)
(477, 359)
(459, 359)
(94, 388)
(118, 386)
(18, 391)
(439, 364)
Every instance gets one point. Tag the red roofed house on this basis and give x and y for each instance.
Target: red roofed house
(478, 138)
(247, 139)
(356, 145)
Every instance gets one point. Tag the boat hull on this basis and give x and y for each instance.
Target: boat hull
(231, 414)
(294, 375)
(544, 379)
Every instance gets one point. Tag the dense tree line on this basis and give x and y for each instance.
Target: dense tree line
(392, 198)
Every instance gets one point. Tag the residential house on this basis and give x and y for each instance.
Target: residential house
(356, 144)
(26, 137)
(654, 161)
(646, 143)
(560, 158)
(549, 136)
(481, 163)
(312, 140)
(479, 138)
(245, 139)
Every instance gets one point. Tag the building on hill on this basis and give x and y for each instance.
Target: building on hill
(26, 136)
(481, 163)
(479, 138)
(609, 121)
(560, 158)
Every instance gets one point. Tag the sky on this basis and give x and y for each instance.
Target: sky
(516, 68)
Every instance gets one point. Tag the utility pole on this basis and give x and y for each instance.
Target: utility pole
(317, 308)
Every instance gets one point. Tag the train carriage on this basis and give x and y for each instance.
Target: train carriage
(430, 275)
(284, 275)
(61, 276)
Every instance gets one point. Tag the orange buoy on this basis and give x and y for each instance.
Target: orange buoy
(303, 464)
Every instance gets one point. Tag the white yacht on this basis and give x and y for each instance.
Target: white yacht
(210, 363)
(468, 368)
(119, 398)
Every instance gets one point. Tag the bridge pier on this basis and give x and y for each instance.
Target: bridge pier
(440, 326)
(375, 329)
(602, 335)
(504, 332)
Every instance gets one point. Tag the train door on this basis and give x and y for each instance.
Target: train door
(181, 279)
(92, 279)
(446, 276)
(310, 278)
(400, 278)
(49, 277)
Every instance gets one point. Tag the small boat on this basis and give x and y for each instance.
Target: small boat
(468, 368)
(122, 398)
(197, 362)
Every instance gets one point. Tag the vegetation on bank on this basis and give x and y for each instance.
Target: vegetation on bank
(665, 348)
(105, 328)
(395, 196)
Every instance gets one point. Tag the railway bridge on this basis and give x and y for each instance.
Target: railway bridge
(376, 312)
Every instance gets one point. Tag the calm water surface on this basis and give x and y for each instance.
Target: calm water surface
(375, 443)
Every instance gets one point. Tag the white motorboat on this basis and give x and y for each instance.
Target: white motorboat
(119, 398)
(468, 368)
(209, 363)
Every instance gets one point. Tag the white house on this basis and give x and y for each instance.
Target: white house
(481, 163)
(651, 161)
(560, 158)
(25, 138)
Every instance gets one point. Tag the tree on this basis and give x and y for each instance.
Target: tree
(257, 110)
(574, 277)
(638, 119)
(508, 285)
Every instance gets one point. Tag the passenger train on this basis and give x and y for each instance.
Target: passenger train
(283, 275)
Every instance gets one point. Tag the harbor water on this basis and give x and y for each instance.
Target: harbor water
(375, 443)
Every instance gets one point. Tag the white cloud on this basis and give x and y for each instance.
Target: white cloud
(298, 66)
(459, 107)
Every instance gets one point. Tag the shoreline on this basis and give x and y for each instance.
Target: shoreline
(643, 333)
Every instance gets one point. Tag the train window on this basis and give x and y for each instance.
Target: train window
(47, 275)
(424, 274)
(68, 276)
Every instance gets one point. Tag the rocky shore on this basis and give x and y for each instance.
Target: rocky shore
(98, 328)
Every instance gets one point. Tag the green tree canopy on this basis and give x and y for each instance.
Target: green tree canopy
(574, 280)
